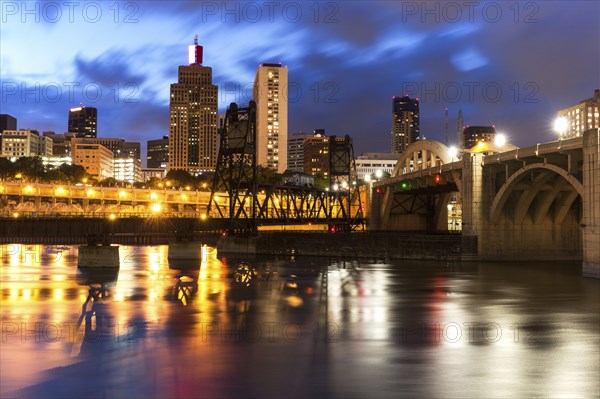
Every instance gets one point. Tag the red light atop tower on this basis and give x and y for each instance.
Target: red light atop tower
(195, 53)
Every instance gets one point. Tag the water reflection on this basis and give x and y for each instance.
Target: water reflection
(302, 327)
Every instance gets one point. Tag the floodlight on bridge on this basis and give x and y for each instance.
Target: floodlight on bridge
(561, 125)
(453, 152)
(156, 208)
(500, 140)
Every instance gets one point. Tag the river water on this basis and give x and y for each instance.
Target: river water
(305, 327)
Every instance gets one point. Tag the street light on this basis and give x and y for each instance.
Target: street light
(378, 173)
(500, 140)
(560, 126)
(453, 152)
(367, 177)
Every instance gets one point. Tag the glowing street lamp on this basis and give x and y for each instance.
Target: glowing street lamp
(367, 177)
(156, 208)
(378, 173)
(500, 140)
(560, 126)
(453, 152)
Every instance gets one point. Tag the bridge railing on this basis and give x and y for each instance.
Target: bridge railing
(99, 215)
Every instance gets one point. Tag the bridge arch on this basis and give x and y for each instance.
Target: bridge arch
(548, 171)
(422, 154)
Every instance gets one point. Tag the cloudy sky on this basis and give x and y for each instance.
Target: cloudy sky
(510, 64)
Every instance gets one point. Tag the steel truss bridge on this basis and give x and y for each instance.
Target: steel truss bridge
(237, 201)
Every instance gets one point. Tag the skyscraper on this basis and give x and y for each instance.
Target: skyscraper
(193, 117)
(270, 94)
(83, 121)
(405, 122)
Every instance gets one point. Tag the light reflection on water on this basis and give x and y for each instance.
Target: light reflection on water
(310, 328)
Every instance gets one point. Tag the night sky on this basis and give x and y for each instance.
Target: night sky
(504, 63)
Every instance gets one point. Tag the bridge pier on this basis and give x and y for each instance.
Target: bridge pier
(473, 201)
(98, 256)
(185, 251)
(590, 223)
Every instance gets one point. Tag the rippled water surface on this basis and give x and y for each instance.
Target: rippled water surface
(305, 327)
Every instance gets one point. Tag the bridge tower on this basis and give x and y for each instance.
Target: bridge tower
(236, 170)
(342, 176)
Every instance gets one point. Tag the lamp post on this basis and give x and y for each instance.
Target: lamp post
(561, 126)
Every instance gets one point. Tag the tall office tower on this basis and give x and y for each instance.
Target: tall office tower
(83, 121)
(295, 152)
(405, 122)
(472, 135)
(580, 117)
(193, 117)
(157, 153)
(270, 94)
(7, 122)
(460, 129)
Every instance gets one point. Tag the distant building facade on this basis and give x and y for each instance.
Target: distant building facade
(157, 153)
(93, 156)
(477, 134)
(316, 154)
(128, 170)
(55, 161)
(83, 121)
(270, 93)
(370, 162)
(7, 122)
(149, 173)
(25, 143)
(583, 116)
(61, 143)
(298, 179)
(405, 123)
(295, 152)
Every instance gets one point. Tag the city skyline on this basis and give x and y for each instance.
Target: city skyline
(471, 61)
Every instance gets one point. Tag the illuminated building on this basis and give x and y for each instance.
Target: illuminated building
(270, 94)
(583, 116)
(128, 170)
(94, 157)
(83, 121)
(25, 143)
(477, 134)
(193, 117)
(370, 162)
(405, 122)
(316, 154)
(55, 161)
(148, 173)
